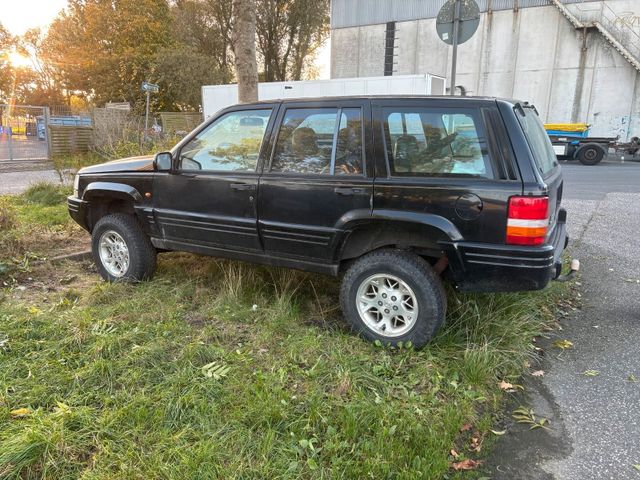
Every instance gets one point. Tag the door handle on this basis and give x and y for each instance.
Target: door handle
(242, 186)
(349, 190)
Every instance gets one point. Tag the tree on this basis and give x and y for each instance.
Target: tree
(102, 50)
(106, 48)
(244, 48)
(6, 70)
(181, 71)
(289, 34)
(39, 83)
(205, 26)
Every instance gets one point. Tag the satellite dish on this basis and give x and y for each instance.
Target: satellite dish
(469, 20)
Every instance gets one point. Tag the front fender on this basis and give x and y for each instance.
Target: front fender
(112, 190)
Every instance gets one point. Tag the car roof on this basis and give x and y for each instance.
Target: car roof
(451, 98)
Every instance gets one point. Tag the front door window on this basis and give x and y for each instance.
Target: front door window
(230, 144)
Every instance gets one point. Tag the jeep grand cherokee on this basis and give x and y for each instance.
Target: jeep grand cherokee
(395, 194)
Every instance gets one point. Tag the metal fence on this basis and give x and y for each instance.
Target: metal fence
(32, 134)
(23, 134)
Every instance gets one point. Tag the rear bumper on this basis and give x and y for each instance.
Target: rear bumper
(78, 211)
(481, 267)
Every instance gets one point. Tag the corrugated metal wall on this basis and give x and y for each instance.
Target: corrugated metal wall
(351, 13)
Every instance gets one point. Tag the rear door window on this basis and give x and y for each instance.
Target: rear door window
(541, 148)
(435, 142)
(321, 141)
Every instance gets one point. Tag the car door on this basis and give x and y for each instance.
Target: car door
(208, 199)
(319, 174)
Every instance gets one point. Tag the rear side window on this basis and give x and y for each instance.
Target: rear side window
(322, 141)
(538, 140)
(432, 142)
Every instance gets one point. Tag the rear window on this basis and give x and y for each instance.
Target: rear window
(539, 142)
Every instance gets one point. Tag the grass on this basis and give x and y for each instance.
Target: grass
(33, 225)
(221, 369)
(46, 194)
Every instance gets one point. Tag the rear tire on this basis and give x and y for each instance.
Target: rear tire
(121, 250)
(393, 296)
(591, 154)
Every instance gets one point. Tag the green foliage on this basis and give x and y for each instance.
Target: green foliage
(128, 146)
(102, 50)
(181, 72)
(46, 193)
(289, 34)
(33, 228)
(108, 47)
(220, 369)
(6, 71)
(7, 214)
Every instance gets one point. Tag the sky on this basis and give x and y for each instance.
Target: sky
(19, 15)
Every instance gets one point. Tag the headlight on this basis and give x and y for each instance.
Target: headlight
(76, 185)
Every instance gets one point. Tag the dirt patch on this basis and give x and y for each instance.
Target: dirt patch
(45, 282)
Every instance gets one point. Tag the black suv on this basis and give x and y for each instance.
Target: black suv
(394, 193)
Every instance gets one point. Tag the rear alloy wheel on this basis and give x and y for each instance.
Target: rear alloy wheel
(387, 304)
(393, 296)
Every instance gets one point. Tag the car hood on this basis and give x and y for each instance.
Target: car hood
(131, 164)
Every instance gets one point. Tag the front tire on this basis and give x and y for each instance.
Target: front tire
(393, 296)
(121, 250)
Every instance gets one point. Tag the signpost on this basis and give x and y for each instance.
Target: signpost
(457, 21)
(149, 88)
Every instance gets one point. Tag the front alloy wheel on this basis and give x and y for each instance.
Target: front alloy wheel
(121, 249)
(114, 253)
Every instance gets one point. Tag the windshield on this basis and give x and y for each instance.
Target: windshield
(538, 139)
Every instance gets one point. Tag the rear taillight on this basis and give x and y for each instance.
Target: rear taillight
(528, 220)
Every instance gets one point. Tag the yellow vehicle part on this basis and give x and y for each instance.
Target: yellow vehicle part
(567, 127)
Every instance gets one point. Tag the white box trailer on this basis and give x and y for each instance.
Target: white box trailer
(217, 97)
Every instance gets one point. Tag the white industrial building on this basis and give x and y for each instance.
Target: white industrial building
(578, 61)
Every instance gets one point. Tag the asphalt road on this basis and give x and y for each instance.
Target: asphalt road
(17, 182)
(593, 183)
(595, 420)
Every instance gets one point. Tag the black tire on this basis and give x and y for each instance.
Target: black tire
(417, 274)
(142, 254)
(590, 154)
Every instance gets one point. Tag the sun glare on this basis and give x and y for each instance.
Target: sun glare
(18, 60)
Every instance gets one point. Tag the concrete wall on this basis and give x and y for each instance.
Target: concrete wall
(533, 54)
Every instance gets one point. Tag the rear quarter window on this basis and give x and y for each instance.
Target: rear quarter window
(435, 142)
(541, 148)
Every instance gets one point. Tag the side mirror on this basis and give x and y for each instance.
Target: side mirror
(162, 162)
